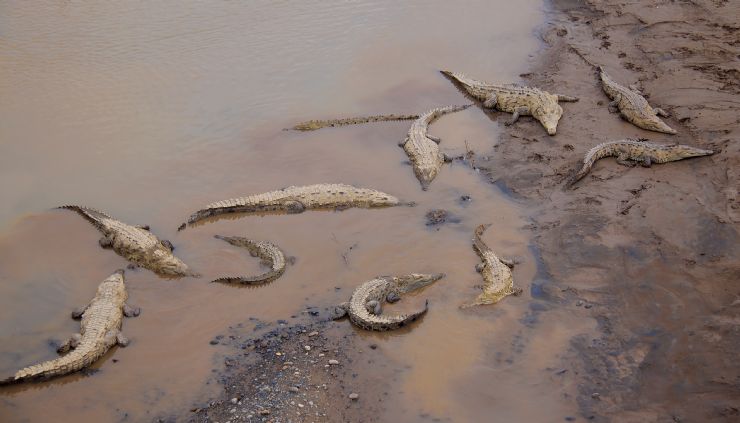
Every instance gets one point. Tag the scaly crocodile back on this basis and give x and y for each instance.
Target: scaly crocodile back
(376, 289)
(100, 324)
(296, 199)
(497, 278)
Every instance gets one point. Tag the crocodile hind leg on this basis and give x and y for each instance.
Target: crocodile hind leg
(435, 139)
(402, 143)
(106, 242)
(518, 112)
(374, 307)
(660, 112)
(71, 344)
(78, 312)
(647, 161)
(624, 160)
(121, 340)
(491, 101)
(340, 311)
(294, 207)
(510, 263)
(129, 311)
(613, 106)
(392, 297)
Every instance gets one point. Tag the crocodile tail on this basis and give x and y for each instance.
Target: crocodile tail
(313, 125)
(78, 359)
(477, 241)
(91, 215)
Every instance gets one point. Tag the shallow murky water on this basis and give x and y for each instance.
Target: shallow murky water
(150, 111)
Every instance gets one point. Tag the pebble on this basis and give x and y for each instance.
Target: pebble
(314, 333)
(588, 305)
(234, 400)
(353, 396)
(263, 412)
(596, 395)
(579, 303)
(293, 389)
(333, 362)
(307, 347)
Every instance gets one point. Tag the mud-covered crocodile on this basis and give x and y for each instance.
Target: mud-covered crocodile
(270, 254)
(298, 199)
(630, 152)
(100, 329)
(135, 243)
(313, 125)
(510, 98)
(423, 149)
(633, 106)
(364, 307)
(496, 271)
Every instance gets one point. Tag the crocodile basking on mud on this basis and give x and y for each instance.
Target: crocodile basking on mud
(135, 243)
(521, 101)
(497, 279)
(633, 106)
(630, 152)
(270, 254)
(100, 330)
(313, 125)
(298, 199)
(364, 307)
(423, 149)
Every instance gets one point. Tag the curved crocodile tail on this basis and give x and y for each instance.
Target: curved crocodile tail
(313, 125)
(76, 360)
(92, 215)
(477, 240)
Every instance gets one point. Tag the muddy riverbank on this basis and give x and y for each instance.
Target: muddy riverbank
(650, 256)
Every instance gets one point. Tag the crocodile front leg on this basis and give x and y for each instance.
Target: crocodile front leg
(121, 340)
(129, 311)
(78, 312)
(435, 139)
(491, 101)
(105, 242)
(374, 307)
(294, 207)
(613, 106)
(647, 161)
(518, 112)
(510, 263)
(624, 160)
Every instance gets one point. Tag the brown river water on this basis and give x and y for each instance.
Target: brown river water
(149, 111)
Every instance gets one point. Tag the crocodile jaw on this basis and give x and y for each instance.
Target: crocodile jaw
(416, 281)
(549, 116)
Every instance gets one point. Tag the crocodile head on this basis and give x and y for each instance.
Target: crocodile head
(414, 281)
(684, 151)
(549, 115)
(657, 125)
(165, 263)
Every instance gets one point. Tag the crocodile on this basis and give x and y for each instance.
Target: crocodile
(423, 149)
(100, 329)
(630, 152)
(633, 106)
(364, 307)
(313, 125)
(135, 243)
(298, 199)
(519, 100)
(496, 271)
(268, 252)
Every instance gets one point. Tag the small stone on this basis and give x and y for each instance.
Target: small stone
(333, 362)
(314, 333)
(596, 395)
(214, 342)
(293, 389)
(353, 396)
(300, 405)
(579, 303)
(307, 347)
(234, 400)
(373, 346)
(232, 411)
(263, 412)
(570, 419)
(321, 354)
(588, 306)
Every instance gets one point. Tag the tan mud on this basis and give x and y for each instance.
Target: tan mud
(151, 112)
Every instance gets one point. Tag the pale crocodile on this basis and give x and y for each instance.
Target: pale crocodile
(498, 281)
(630, 152)
(298, 199)
(135, 243)
(521, 101)
(633, 106)
(270, 254)
(313, 125)
(100, 330)
(364, 307)
(423, 149)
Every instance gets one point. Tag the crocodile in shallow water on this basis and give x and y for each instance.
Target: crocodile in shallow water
(313, 125)
(298, 199)
(270, 254)
(135, 243)
(100, 329)
(364, 307)
(633, 106)
(423, 149)
(521, 101)
(497, 279)
(630, 152)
